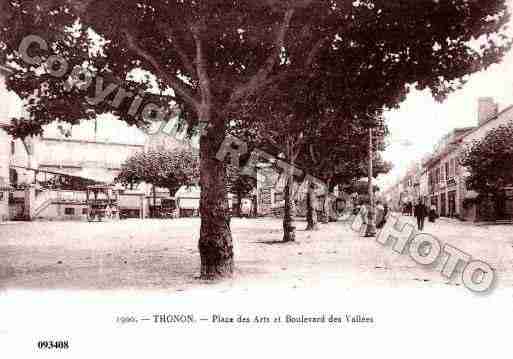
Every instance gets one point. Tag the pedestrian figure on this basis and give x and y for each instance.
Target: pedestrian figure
(432, 214)
(363, 213)
(380, 210)
(420, 213)
(381, 224)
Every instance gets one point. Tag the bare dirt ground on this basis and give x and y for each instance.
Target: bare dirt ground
(163, 255)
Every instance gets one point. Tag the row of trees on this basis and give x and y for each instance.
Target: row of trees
(305, 78)
(172, 168)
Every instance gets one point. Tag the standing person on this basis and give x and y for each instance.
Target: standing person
(385, 214)
(380, 214)
(432, 214)
(363, 212)
(420, 213)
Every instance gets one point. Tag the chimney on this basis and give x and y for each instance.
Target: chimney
(487, 108)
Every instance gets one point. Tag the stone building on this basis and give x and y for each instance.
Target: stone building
(446, 183)
(444, 174)
(92, 150)
(439, 180)
(42, 158)
(8, 109)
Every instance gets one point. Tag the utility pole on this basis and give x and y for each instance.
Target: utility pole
(371, 214)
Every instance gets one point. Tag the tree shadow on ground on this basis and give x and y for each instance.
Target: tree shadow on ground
(275, 242)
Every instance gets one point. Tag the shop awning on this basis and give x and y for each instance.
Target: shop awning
(471, 195)
(98, 175)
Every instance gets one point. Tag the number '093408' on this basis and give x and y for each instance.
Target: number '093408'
(51, 344)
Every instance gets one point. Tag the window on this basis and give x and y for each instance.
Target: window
(278, 197)
(13, 147)
(447, 171)
(84, 211)
(68, 211)
(452, 168)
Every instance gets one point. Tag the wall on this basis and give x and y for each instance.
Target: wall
(57, 211)
(83, 154)
(503, 118)
(52, 152)
(52, 205)
(5, 147)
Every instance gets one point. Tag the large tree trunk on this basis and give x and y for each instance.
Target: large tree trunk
(154, 212)
(325, 208)
(311, 209)
(499, 205)
(215, 243)
(254, 206)
(332, 215)
(289, 228)
(239, 204)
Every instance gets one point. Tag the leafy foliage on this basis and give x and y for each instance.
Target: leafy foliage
(216, 53)
(490, 161)
(239, 184)
(167, 169)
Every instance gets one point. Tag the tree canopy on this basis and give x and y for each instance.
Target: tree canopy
(490, 161)
(214, 53)
(169, 169)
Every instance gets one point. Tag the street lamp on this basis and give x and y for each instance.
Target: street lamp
(416, 189)
(371, 214)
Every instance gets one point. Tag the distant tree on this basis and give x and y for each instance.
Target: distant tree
(361, 187)
(354, 171)
(169, 169)
(239, 184)
(338, 155)
(490, 163)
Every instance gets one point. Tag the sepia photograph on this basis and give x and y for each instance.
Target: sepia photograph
(256, 178)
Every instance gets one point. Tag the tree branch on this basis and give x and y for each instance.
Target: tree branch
(260, 77)
(186, 61)
(314, 51)
(201, 69)
(172, 81)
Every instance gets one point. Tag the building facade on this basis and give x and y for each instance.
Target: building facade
(447, 178)
(7, 111)
(92, 151)
(439, 179)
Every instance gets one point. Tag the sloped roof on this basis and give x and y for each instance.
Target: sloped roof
(98, 175)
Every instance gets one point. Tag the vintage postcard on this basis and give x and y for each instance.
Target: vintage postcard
(256, 178)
